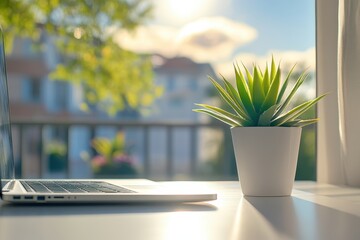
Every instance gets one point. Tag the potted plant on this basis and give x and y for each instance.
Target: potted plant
(56, 155)
(113, 158)
(265, 132)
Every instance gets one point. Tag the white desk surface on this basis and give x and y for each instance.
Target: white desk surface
(314, 211)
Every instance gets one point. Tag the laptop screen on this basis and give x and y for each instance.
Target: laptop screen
(6, 150)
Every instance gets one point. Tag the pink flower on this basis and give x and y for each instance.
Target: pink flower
(98, 161)
(123, 158)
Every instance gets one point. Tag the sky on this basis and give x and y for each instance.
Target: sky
(220, 32)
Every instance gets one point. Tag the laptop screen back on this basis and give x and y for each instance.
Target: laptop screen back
(6, 150)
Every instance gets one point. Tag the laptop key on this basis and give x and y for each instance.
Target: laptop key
(73, 187)
(113, 188)
(107, 190)
(38, 187)
(90, 189)
(75, 190)
(55, 189)
(26, 186)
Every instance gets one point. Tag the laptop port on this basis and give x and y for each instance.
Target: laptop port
(29, 197)
(41, 198)
(16, 197)
(58, 197)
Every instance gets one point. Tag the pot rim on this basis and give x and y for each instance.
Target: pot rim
(275, 127)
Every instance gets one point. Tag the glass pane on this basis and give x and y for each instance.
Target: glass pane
(136, 70)
(6, 155)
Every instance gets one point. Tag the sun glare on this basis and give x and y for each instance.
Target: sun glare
(185, 10)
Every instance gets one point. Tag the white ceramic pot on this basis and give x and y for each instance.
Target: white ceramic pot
(266, 159)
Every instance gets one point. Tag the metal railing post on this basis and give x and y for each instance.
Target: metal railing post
(67, 139)
(21, 134)
(41, 151)
(146, 152)
(193, 150)
(169, 152)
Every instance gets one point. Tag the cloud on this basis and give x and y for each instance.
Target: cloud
(213, 39)
(148, 39)
(303, 59)
(205, 40)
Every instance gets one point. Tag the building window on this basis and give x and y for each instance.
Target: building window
(61, 95)
(31, 90)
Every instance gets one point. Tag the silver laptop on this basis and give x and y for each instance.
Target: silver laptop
(70, 191)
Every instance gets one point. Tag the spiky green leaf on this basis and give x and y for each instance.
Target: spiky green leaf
(272, 95)
(291, 123)
(295, 112)
(244, 93)
(250, 79)
(258, 91)
(266, 117)
(266, 81)
(257, 99)
(303, 123)
(300, 123)
(296, 86)
(220, 117)
(227, 98)
(224, 113)
(285, 84)
(235, 97)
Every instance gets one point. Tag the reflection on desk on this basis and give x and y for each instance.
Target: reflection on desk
(314, 211)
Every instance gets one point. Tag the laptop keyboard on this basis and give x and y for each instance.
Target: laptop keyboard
(72, 187)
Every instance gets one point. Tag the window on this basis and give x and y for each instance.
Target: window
(186, 41)
(31, 90)
(61, 95)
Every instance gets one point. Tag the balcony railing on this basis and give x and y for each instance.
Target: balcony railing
(20, 126)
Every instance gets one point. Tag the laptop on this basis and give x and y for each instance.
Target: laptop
(74, 191)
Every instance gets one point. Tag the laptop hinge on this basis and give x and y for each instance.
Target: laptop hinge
(8, 186)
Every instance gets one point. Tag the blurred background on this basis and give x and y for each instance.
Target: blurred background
(106, 88)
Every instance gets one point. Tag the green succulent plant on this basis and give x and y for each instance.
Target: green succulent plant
(259, 99)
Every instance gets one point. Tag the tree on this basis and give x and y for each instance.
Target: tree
(82, 30)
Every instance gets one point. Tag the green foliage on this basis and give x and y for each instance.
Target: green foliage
(259, 99)
(109, 148)
(56, 155)
(55, 147)
(306, 165)
(113, 158)
(83, 33)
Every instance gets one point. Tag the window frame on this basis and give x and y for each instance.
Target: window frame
(329, 167)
